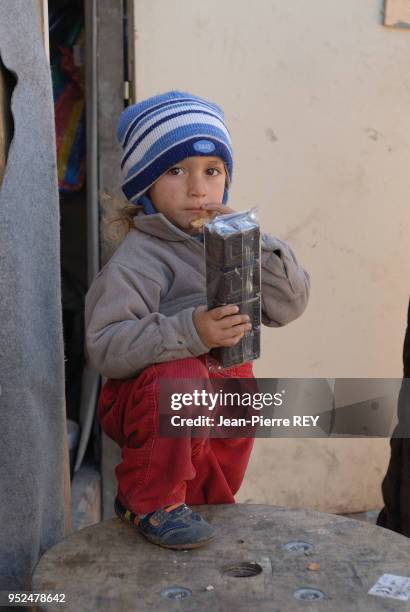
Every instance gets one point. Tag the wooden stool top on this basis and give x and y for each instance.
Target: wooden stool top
(260, 559)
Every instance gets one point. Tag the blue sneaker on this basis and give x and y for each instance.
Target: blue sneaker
(177, 528)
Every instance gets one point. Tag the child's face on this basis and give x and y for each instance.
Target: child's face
(181, 192)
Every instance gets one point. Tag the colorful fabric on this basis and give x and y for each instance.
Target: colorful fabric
(69, 108)
(161, 131)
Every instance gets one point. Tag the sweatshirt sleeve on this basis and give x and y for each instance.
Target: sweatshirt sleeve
(124, 330)
(285, 284)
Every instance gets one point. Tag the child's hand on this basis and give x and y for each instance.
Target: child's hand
(220, 326)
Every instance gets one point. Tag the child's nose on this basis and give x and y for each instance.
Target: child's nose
(196, 186)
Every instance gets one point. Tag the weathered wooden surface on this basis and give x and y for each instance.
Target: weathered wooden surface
(111, 567)
(67, 488)
(110, 82)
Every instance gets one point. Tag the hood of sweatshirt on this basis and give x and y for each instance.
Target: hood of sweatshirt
(158, 225)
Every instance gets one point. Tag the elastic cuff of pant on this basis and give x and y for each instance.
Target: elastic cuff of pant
(152, 505)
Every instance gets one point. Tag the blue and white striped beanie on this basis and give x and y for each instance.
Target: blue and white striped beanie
(161, 131)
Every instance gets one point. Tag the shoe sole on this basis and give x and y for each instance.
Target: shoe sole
(173, 546)
(179, 546)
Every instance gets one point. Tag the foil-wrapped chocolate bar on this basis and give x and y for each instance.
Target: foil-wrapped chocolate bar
(233, 276)
(237, 285)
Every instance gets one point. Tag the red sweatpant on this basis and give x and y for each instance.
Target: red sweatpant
(157, 471)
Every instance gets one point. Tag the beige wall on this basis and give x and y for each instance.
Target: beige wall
(317, 103)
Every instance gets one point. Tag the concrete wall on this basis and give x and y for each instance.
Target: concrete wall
(317, 102)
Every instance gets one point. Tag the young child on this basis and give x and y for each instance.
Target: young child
(146, 316)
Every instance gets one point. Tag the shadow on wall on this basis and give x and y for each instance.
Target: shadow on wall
(8, 81)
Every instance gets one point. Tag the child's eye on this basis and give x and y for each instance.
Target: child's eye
(175, 171)
(213, 171)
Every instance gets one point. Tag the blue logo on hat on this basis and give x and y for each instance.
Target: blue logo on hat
(204, 146)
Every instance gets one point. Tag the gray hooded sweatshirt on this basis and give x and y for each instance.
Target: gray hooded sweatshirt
(139, 307)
